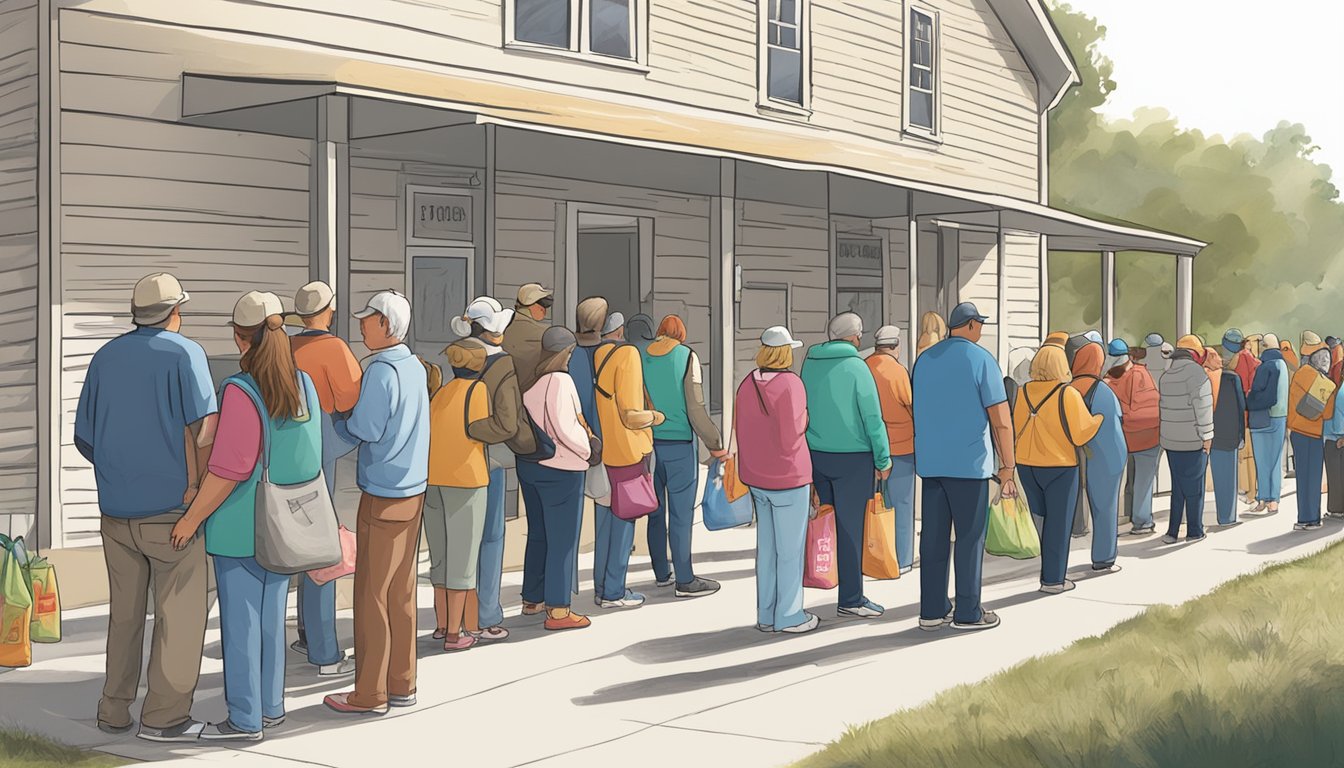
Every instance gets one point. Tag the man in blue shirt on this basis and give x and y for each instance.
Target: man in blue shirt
(146, 421)
(390, 423)
(958, 399)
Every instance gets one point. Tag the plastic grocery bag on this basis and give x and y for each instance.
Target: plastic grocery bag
(46, 619)
(820, 570)
(347, 564)
(716, 510)
(732, 483)
(879, 539)
(1011, 532)
(16, 612)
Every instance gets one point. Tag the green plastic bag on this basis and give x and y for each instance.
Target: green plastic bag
(1011, 533)
(16, 610)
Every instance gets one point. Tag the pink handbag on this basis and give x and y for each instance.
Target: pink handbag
(632, 494)
(820, 570)
(345, 567)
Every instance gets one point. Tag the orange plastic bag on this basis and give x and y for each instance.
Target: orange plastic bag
(16, 613)
(732, 483)
(879, 540)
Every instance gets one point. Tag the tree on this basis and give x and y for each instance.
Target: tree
(1273, 219)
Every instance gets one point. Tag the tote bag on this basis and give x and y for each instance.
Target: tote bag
(820, 570)
(879, 539)
(16, 612)
(717, 512)
(1011, 532)
(296, 526)
(632, 494)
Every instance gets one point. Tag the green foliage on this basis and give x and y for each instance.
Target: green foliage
(1248, 675)
(20, 749)
(1273, 220)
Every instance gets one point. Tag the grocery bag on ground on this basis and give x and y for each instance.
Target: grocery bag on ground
(1011, 532)
(345, 567)
(46, 619)
(820, 570)
(879, 539)
(732, 482)
(716, 510)
(16, 612)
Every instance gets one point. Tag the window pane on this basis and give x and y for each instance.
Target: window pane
(923, 26)
(544, 22)
(921, 110)
(610, 21)
(788, 37)
(921, 53)
(788, 11)
(920, 78)
(786, 75)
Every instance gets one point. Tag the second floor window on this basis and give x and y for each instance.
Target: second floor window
(605, 27)
(783, 49)
(921, 98)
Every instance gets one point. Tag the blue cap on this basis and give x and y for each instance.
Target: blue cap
(1153, 340)
(1117, 348)
(964, 313)
(1233, 339)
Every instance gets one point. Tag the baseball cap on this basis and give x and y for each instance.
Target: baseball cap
(964, 313)
(615, 321)
(487, 312)
(1094, 337)
(254, 307)
(1056, 339)
(887, 336)
(531, 293)
(557, 338)
(393, 306)
(1153, 340)
(1233, 339)
(313, 298)
(844, 326)
(155, 296)
(1117, 348)
(779, 336)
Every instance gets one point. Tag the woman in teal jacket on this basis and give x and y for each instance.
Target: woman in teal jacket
(850, 450)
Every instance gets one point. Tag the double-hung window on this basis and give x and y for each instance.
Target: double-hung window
(600, 27)
(922, 73)
(783, 75)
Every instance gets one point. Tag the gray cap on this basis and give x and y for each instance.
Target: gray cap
(1153, 340)
(887, 336)
(615, 321)
(845, 325)
(557, 338)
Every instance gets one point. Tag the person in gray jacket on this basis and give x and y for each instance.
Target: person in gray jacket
(1187, 431)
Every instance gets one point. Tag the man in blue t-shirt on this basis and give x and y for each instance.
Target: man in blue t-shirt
(959, 402)
(146, 421)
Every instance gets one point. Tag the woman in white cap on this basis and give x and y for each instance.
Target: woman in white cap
(770, 429)
(270, 401)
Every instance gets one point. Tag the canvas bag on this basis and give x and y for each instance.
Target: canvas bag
(820, 569)
(717, 512)
(1313, 404)
(296, 526)
(879, 539)
(16, 612)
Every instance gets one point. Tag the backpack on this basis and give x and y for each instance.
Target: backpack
(433, 376)
(1032, 410)
(545, 446)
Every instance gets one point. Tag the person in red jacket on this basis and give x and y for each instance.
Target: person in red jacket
(1244, 364)
(1134, 388)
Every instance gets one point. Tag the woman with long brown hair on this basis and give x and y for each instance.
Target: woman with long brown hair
(268, 403)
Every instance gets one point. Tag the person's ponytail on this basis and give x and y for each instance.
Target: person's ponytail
(270, 362)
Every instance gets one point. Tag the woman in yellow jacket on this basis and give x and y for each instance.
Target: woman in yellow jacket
(1304, 433)
(1051, 421)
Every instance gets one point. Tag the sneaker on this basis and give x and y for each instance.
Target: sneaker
(933, 625)
(272, 722)
(440, 633)
(185, 731)
(340, 702)
(463, 642)
(1147, 530)
(988, 620)
(532, 609)
(807, 626)
(1203, 536)
(1058, 589)
(1226, 526)
(299, 646)
(341, 668)
(869, 610)
(669, 581)
(1306, 526)
(629, 600)
(1105, 568)
(115, 730)
(570, 620)
(225, 731)
(697, 587)
(405, 700)
(907, 569)
(765, 628)
(1169, 539)
(492, 634)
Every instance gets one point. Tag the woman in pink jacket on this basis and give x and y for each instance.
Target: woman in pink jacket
(773, 461)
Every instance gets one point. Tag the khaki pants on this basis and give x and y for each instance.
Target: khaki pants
(140, 556)
(1246, 469)
(388, 536)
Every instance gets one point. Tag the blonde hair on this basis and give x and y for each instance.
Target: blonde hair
(774, 358)
(933, 323)
(1051, 364)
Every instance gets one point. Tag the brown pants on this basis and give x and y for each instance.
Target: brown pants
(140, 556)
(1246, 469)
(388, 536)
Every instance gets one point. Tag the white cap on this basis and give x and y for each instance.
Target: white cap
(393, 306)
(313, 298)
(487, 312)
(887, 336)
(779, 336)
(155, 296)
(253, 309)
(615, 321)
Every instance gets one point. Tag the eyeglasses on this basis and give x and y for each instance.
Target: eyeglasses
(546, 302)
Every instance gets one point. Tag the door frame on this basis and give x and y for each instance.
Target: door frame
(567, 268)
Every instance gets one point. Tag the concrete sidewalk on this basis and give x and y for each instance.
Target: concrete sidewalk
(669, 684)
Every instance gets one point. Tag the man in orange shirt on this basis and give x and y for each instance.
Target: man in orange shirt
(335, 372)
(896, 396)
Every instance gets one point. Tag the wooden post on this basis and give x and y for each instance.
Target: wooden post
(329, 220)
(912, 253)
(1001, 310)
(1185, 277)
(1108, 295)
(723, 239)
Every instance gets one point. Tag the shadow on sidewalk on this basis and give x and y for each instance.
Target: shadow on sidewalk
(1286, 541)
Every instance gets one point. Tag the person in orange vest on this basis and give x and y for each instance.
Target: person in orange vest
(897, 400)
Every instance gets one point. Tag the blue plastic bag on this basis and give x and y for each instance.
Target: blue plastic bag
(717, 512)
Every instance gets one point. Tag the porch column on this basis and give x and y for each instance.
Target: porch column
(1043, 268)
(912, 253)
(723, 257)
(1185, 277)
(1001, 307)
(1108, 295)
(329, 206)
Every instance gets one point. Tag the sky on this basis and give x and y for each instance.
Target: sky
(1230, 66)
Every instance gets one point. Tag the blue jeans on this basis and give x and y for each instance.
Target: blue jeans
(675, 475)
(962, 504)
(781, 540)
(1224, 466)
(554, 502)
(1267, 449)
(901, 487)
(1052, 495)
(1187, 492)
(611, 553)
(490, 567)
(252, 633)
(846, 481)
(1141, 486)
(1103, 497)
(1309, 461)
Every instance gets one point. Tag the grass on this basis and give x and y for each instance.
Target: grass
(1251, 674)
(20, 749)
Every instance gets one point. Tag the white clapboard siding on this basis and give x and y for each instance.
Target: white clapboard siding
(18, 266)
(978, 275)
(1022, 272)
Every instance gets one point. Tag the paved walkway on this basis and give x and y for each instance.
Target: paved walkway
(669, 684)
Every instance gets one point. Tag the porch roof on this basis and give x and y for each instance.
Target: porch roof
(408, 100)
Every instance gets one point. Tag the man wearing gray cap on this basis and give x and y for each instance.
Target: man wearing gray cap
(893, 390)
(146, 421)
